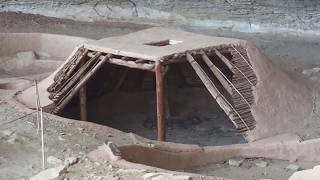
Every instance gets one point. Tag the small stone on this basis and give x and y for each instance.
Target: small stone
(97, 164)
(113, 151)
(6, 133)
(164, 176)
(110, 177)
(12, 140)
(81, 129)
(71, 161)
(110, 135)
(293, 167)
(151, 145)
(51, 173)
(53, 160)
(293, 160)
(61, 138)
(130, 171)
(262, 164)
(235, 162)
(311, 71)
(94, 135)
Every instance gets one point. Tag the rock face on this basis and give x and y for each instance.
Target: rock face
(245, 15)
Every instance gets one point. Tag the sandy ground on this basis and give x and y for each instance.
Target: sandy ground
(20, 155)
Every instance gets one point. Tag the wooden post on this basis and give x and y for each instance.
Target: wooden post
(160, 72)
(83, 99)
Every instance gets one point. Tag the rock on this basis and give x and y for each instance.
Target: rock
(50, 174)
(6, 133)
(262, 164)
(61, 138)
(107, 152)
(80, 129)
(309, 174)
(130, 171)
(104, 177)
(12, 140)
(164, 176)
(54, 160)
(112, 151)
(293, 167)
(310, 72)
(70, 161)
(235, 162)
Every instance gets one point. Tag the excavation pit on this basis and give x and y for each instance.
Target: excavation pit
(253, 93)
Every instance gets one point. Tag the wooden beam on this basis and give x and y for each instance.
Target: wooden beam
(65, 100)
(224, 59)
(69, 83)
(129, 64)
(209, 85)
(217, 73)
(83, 97)
(160, 72)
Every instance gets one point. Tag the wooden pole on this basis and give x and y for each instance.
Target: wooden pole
(83, 98)
(160, 72)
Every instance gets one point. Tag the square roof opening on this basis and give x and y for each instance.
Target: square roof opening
(164, 43)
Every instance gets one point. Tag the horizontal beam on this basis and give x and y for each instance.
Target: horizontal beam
(129, 64)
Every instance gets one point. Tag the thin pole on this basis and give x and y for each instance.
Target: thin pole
(160, 72)
(42, 129)
(37, 108)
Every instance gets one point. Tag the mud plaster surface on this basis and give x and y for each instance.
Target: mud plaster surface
(296, 53)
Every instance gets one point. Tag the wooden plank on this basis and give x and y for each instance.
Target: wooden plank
(160, 72)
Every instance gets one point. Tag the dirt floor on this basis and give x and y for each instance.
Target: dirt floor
(20, 155)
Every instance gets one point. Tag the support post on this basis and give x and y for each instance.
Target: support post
(160, 72)
(83, 99)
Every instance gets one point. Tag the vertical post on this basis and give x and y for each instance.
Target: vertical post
(160, 72)
(83, 100)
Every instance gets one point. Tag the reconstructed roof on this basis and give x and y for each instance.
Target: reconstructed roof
(155, 43)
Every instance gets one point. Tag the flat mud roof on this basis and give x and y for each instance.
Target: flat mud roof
(155, 43)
